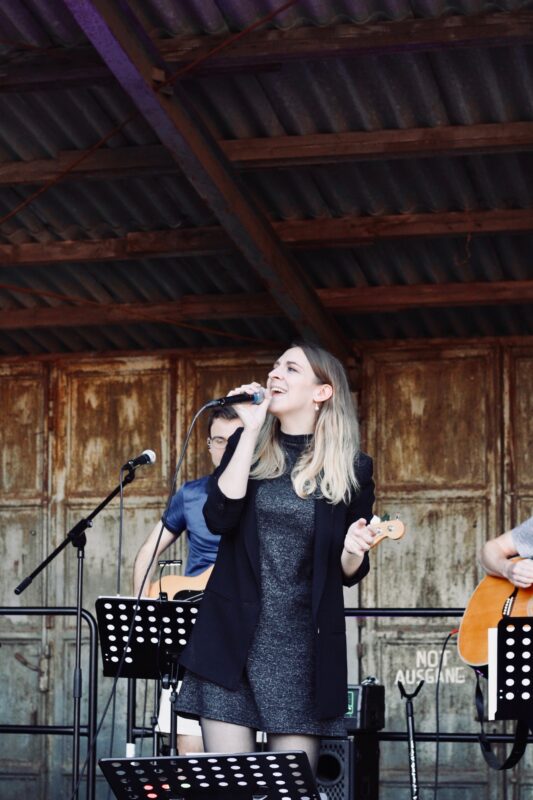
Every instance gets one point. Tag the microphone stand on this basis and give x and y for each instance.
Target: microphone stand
(76, 536)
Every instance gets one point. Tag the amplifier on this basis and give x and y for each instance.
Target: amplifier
(366, 706)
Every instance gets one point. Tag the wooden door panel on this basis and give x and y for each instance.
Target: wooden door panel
(432, 425)
(22, 703)
(101, 551)
(112, 415)
(22, 548)
(521, 402)
(428, 413)
(212, 378)
(22, 434)
(435, 564)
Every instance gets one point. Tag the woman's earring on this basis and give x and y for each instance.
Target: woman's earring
(317, 407)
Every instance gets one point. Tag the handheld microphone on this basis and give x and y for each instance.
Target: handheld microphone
(146, 457)
(231, 400)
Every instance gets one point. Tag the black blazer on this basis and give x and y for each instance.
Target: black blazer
(226, 623)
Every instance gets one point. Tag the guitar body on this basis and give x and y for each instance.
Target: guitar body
(484, 611)
(172, 584)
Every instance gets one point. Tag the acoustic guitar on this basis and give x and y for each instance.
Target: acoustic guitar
(493, 598)
(174, 584)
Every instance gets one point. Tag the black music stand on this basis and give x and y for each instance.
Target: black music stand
(160, 629)
(514, 682)
(213, 776)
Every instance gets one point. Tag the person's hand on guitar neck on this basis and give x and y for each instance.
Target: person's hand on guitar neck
(498, 558)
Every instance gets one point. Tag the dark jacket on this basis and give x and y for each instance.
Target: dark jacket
(227, 620)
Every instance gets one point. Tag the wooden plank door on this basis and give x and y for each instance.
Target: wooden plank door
(432, 424)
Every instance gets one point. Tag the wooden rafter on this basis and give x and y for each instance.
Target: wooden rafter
(270, 47)
(349, 300)
(282, 151)
(298, 234)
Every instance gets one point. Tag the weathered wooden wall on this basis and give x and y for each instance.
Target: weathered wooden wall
(449, 428)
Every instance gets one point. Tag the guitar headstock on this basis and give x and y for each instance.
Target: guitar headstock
(387, 529)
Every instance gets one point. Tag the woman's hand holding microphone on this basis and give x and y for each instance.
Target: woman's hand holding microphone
(252, 414)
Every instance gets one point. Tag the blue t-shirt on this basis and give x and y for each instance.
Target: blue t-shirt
(186, 513)
(523, 538)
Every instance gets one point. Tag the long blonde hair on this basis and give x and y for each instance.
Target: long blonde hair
(328, 463)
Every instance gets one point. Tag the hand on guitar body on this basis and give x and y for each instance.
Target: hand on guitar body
(520, 573)
(498, 557)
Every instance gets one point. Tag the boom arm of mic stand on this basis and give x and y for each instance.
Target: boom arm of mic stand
(76, 535)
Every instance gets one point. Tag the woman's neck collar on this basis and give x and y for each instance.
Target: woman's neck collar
(296, 428)
(298, 424)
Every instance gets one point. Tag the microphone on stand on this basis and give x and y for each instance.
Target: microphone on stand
(146, 457)
(231, 400)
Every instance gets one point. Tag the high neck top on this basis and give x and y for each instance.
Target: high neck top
(295, 440)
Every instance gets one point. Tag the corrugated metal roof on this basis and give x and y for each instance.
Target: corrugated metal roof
(396, 91)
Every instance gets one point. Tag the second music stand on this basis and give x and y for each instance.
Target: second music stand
(145, 638)
(213, 776)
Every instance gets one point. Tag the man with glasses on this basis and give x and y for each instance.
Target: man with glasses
(186, 514)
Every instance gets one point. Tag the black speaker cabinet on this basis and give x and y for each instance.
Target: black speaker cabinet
(348, 769)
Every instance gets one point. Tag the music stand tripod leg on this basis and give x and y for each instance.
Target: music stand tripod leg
(413, 771)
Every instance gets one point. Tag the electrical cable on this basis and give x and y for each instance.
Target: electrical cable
(437, 730)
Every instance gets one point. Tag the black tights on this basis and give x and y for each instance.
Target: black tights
(224, 737)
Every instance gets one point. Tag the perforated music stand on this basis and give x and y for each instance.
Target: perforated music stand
(160, 632)
(514, 699)
(213, 776)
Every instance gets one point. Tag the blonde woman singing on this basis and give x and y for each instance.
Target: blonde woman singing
(291, 498)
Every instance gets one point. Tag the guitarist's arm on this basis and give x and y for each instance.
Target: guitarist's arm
(148, 555)
(496, 559)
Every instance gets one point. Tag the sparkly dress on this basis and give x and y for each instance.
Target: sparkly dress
(277, 689)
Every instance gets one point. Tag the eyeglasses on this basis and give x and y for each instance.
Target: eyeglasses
(216, 441)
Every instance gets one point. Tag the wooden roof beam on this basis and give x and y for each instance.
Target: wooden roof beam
(67, 68)
(349, 300)
(299, 234)
(283, 151)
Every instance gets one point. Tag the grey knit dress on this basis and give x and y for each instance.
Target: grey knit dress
(276, 691)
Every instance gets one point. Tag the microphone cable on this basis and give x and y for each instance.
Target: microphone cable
(92, 744)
